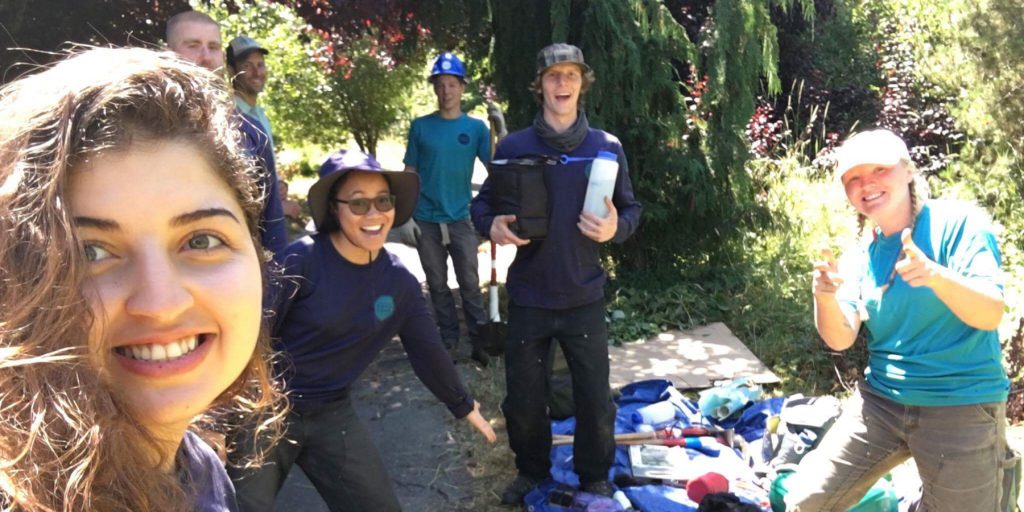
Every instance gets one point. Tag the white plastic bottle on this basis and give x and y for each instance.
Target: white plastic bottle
(603, 171)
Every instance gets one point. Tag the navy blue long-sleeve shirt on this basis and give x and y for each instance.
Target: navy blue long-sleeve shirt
(335, 317)
(273, 230)
(564, 269)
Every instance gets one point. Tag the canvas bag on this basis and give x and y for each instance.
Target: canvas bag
(519, 187)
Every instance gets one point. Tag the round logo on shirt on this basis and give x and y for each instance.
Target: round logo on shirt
(464, 138)
(384, 307)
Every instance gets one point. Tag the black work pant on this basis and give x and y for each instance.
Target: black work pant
(334, 449)
(583, 335)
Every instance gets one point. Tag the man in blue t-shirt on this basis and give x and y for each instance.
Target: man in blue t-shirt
(442, 148)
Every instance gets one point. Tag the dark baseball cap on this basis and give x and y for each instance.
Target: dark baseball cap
(241, 46)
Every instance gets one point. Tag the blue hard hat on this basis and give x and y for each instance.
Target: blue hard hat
(448, 64)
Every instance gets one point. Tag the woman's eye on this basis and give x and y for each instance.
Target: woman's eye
(94, 252)
(204, 242)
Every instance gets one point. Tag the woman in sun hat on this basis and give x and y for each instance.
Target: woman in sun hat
(349, 298)
(928, 286)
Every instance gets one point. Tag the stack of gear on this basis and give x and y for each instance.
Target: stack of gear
(672, 458)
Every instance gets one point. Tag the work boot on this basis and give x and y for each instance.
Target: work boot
(518, 489)
(599, 487)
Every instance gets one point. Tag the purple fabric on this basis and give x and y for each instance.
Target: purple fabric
(563, 270)
(333, 317)
(204, 473)
(274, 233)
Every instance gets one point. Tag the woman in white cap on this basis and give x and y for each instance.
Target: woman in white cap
(348, 299)
(928, 286)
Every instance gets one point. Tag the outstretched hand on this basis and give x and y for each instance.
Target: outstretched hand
(826, 273)
(480, 423)
(915, 268)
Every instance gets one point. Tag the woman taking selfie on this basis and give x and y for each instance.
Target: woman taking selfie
(131, 271)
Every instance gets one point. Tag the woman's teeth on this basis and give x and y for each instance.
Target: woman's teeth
(373, 229)
(158, 352)
(872, 197)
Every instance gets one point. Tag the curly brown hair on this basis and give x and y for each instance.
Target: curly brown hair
(67, 441)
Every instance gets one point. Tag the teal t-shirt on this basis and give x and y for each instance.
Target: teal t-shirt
(920, 353)
(443, 152)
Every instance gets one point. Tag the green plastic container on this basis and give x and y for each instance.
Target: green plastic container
(880, 497)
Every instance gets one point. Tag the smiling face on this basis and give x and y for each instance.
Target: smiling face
(448, 89)
(560, 87)
(881, 193)
(174, 279)
(252, 74)
(367, 232)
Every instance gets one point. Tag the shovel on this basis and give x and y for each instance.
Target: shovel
(492, 333)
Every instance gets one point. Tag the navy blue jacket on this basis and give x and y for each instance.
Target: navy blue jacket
(274, 233)
(334, 317)
(564, 269)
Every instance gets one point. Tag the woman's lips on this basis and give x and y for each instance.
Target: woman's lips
(157, 360)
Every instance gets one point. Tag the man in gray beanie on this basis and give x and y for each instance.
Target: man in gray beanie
(556, 284)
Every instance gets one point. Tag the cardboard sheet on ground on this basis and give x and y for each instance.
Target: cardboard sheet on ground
(692, 359)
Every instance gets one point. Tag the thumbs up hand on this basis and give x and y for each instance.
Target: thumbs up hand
(915, 268)
(826, 273)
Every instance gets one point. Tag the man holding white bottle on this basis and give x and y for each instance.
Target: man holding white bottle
(556, 285)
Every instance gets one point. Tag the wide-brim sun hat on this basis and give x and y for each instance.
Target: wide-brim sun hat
(872, 147)
(405, 186)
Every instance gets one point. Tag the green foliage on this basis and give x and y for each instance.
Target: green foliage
(370, 94)
(742, 48)
(521, 29)
(295, 95)
(762, 290)
(975, 50)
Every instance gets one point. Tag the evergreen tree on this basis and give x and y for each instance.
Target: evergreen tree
(679, 105)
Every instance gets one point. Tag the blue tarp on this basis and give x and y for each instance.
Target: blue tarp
(749, 423)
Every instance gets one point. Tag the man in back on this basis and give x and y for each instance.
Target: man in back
(248, 77)
(195, 37)
(442, 148)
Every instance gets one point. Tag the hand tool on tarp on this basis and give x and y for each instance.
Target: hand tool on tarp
(689, 437)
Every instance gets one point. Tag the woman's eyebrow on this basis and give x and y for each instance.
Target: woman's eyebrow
(100, 224)
(190, 217)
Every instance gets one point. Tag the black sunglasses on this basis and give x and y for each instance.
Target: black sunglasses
(361, 205)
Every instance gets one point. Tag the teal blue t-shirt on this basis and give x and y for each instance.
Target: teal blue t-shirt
(443, 152)
(920, 353)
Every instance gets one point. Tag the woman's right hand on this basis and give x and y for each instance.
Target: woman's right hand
(481, 424)
(826, 274)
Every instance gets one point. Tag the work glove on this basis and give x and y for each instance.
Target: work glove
(409, 233)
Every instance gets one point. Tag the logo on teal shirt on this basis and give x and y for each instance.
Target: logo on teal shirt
(384, 307)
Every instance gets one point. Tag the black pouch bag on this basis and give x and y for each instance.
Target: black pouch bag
(518, 188)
